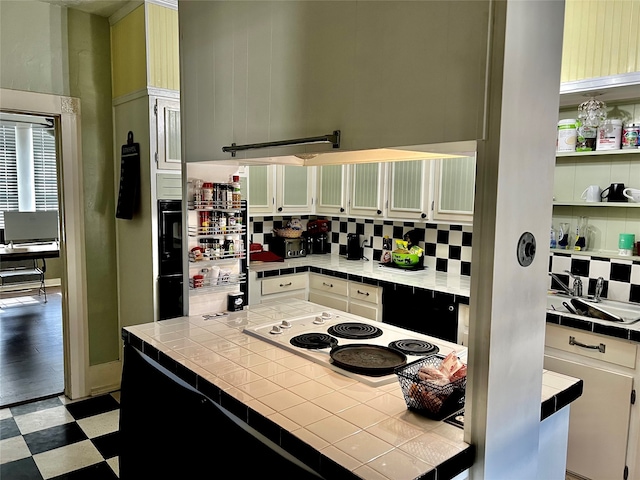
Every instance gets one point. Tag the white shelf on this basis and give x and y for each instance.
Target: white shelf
(595, 253)
(597, 153)
(597, 204)
(230, 281)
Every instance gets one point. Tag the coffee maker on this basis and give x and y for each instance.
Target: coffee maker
(318, 237)
(354, 247)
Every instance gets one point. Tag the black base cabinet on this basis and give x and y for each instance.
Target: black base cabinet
(423, 311)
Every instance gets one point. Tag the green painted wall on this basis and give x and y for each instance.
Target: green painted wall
(90, 80)
(48, 49)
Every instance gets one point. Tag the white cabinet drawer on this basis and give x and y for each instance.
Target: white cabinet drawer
(339, 303)
(608, 349)
(368, 311)
(283, 284)
(365, 293)
(326, 284)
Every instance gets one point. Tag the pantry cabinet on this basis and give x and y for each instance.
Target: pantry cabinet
(168, 147)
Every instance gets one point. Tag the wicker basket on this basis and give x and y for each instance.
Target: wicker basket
(288, 233)
(431, 400)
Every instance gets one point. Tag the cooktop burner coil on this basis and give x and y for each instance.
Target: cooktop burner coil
(414, 347)
(314, 341)
(355, 331)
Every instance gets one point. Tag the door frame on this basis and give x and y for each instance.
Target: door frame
(66, 111)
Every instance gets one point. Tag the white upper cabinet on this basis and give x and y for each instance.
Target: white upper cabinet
(168, 146)
(384, 73)
(408, 190)
(454, 189)
(280, 189)
(260, 185)
(331, 189)
(294, 189)
(366, 195)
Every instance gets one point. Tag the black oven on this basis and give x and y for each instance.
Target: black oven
(170, 279)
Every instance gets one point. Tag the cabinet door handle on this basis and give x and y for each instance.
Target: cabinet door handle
(285, 284)
(363, 293)
(330, 285)
(423, 215)
(600, 348)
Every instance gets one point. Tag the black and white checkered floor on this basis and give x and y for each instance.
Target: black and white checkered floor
(61, 439)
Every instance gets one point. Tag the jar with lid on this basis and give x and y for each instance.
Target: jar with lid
(207, 194)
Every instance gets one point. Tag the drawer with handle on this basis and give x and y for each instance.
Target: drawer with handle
(283, 284)
(365, 293)
(600, 347)
(326, 284)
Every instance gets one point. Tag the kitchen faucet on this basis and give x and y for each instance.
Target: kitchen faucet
(575, 290)
(598, 292)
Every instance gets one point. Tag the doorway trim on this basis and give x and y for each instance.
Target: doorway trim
(74, 282)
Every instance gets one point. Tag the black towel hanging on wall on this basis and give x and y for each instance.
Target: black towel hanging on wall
(129, 179)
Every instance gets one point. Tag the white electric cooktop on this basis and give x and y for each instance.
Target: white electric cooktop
(333, 323)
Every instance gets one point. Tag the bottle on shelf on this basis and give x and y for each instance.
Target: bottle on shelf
(236, 195)
(228, 246)
(552, 240)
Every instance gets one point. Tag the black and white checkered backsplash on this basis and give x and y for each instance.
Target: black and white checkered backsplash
(448, 249)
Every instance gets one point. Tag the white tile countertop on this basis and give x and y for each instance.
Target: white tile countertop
(346, 428)
(427, 278)
(441, 282)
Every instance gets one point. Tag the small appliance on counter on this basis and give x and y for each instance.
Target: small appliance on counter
(318, 237)
(288, 247)
(354, 247)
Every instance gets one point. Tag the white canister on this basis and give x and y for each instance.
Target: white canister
(609, 135)
(566, 141)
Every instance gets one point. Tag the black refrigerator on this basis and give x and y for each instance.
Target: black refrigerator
(170, 278)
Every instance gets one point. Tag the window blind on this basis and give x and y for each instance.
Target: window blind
(8, 171)
(44, 167)
(44, 170)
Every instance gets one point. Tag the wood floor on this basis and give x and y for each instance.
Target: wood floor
(31, 346)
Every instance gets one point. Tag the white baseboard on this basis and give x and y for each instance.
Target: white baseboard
(105, 378)
(20, 286)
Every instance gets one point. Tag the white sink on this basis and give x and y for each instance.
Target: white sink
(629, 312)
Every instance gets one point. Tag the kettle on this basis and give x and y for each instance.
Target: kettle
(354, 247)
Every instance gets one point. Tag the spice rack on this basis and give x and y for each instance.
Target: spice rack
(217, 234)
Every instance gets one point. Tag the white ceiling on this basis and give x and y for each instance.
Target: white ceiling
(103, 8)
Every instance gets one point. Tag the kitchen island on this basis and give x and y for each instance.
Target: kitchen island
(338, 425)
